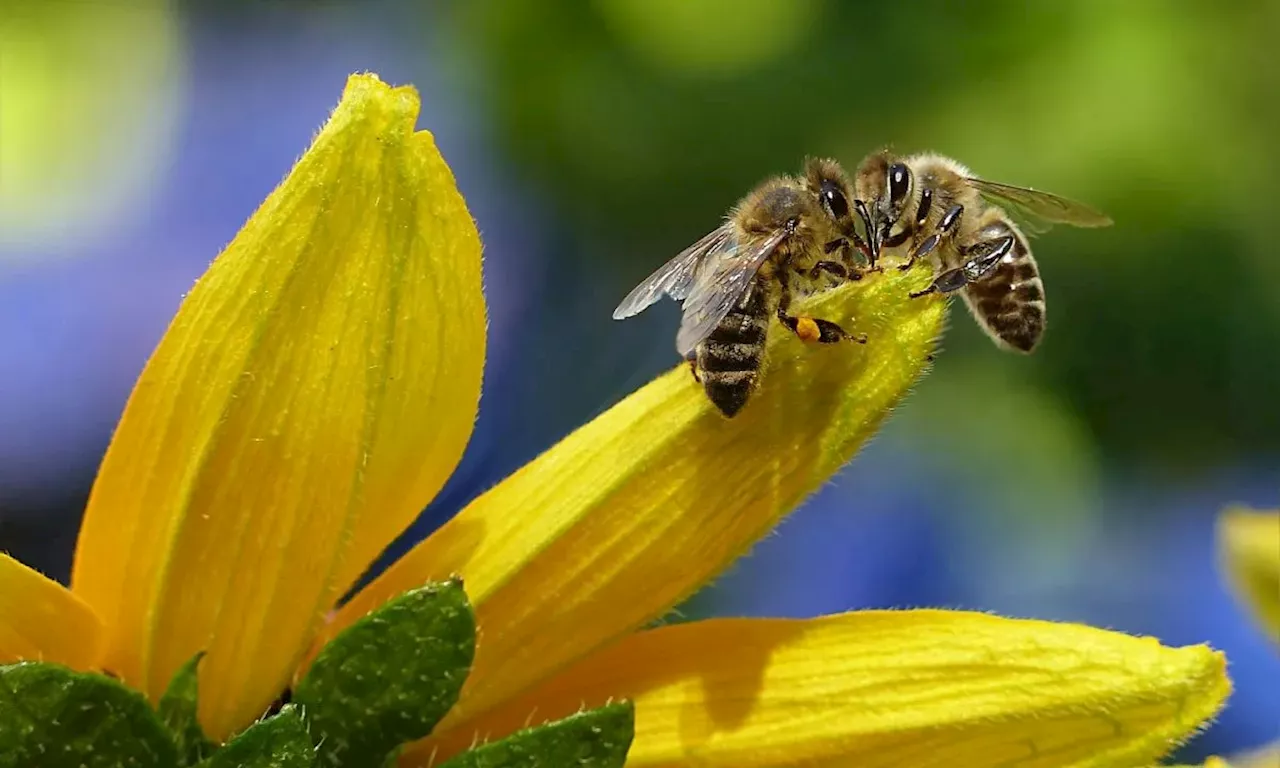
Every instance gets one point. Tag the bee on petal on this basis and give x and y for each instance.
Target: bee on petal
(930, 206)
(785, 237)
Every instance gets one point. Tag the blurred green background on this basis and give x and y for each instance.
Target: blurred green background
(595, 140)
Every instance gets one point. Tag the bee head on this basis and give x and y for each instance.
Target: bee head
(885, 183)
(837, 197)
(826, 181)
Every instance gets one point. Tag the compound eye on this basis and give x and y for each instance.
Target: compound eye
(833, 200)
(899, 182)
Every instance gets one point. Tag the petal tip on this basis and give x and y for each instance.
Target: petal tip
(1207, 688)
(366, 93)
(1248, 545)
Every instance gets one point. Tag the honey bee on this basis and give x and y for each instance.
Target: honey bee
(786, 236)
(931, 206)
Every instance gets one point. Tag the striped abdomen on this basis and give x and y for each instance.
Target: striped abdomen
(1009, 303)
(728, 360)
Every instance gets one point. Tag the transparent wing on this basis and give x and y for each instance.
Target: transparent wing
(1045, 206)
(1029, 224)
(721, 282)
(675, 277)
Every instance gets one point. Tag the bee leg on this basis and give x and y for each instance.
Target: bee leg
(811, 328)
(989, 254)
(834, 245)
(833, 268)
(946, 228)
(819, 330)
(846, 268)
(692, 360)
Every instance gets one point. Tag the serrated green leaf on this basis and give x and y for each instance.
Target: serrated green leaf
(279, 741)
(390, 677)
(599, 738)
(177, 709)
(55, 717)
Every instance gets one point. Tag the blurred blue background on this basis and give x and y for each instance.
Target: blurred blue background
(594, 140)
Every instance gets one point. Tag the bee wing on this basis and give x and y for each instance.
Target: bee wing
(1029, 224)
(1044, 206)
(720, 283)
(674, 278)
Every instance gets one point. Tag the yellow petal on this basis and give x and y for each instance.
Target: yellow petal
(40, 619)
(637, 509)
(1215, 762)
(1249, 544)
(1265, 756)
(315, 390)
(882, 688)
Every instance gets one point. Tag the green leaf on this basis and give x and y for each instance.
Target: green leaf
(280, 741)
(55, 717)
(599, 738)
(390, 677)
(177, 710)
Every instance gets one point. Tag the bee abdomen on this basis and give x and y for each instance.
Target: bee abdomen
(730, 390)
(740, 328)
(730, 370)
(1010, 304)
(729, 360)
(1019, 327)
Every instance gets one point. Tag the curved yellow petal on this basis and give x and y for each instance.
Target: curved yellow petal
(315, 390)
(1265, 756)
(1249, 548)
(882, 688)
(41, 619)
(1216, 762)
(637, 509)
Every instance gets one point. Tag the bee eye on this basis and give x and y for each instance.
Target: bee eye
(834, 201)
(899, 181)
